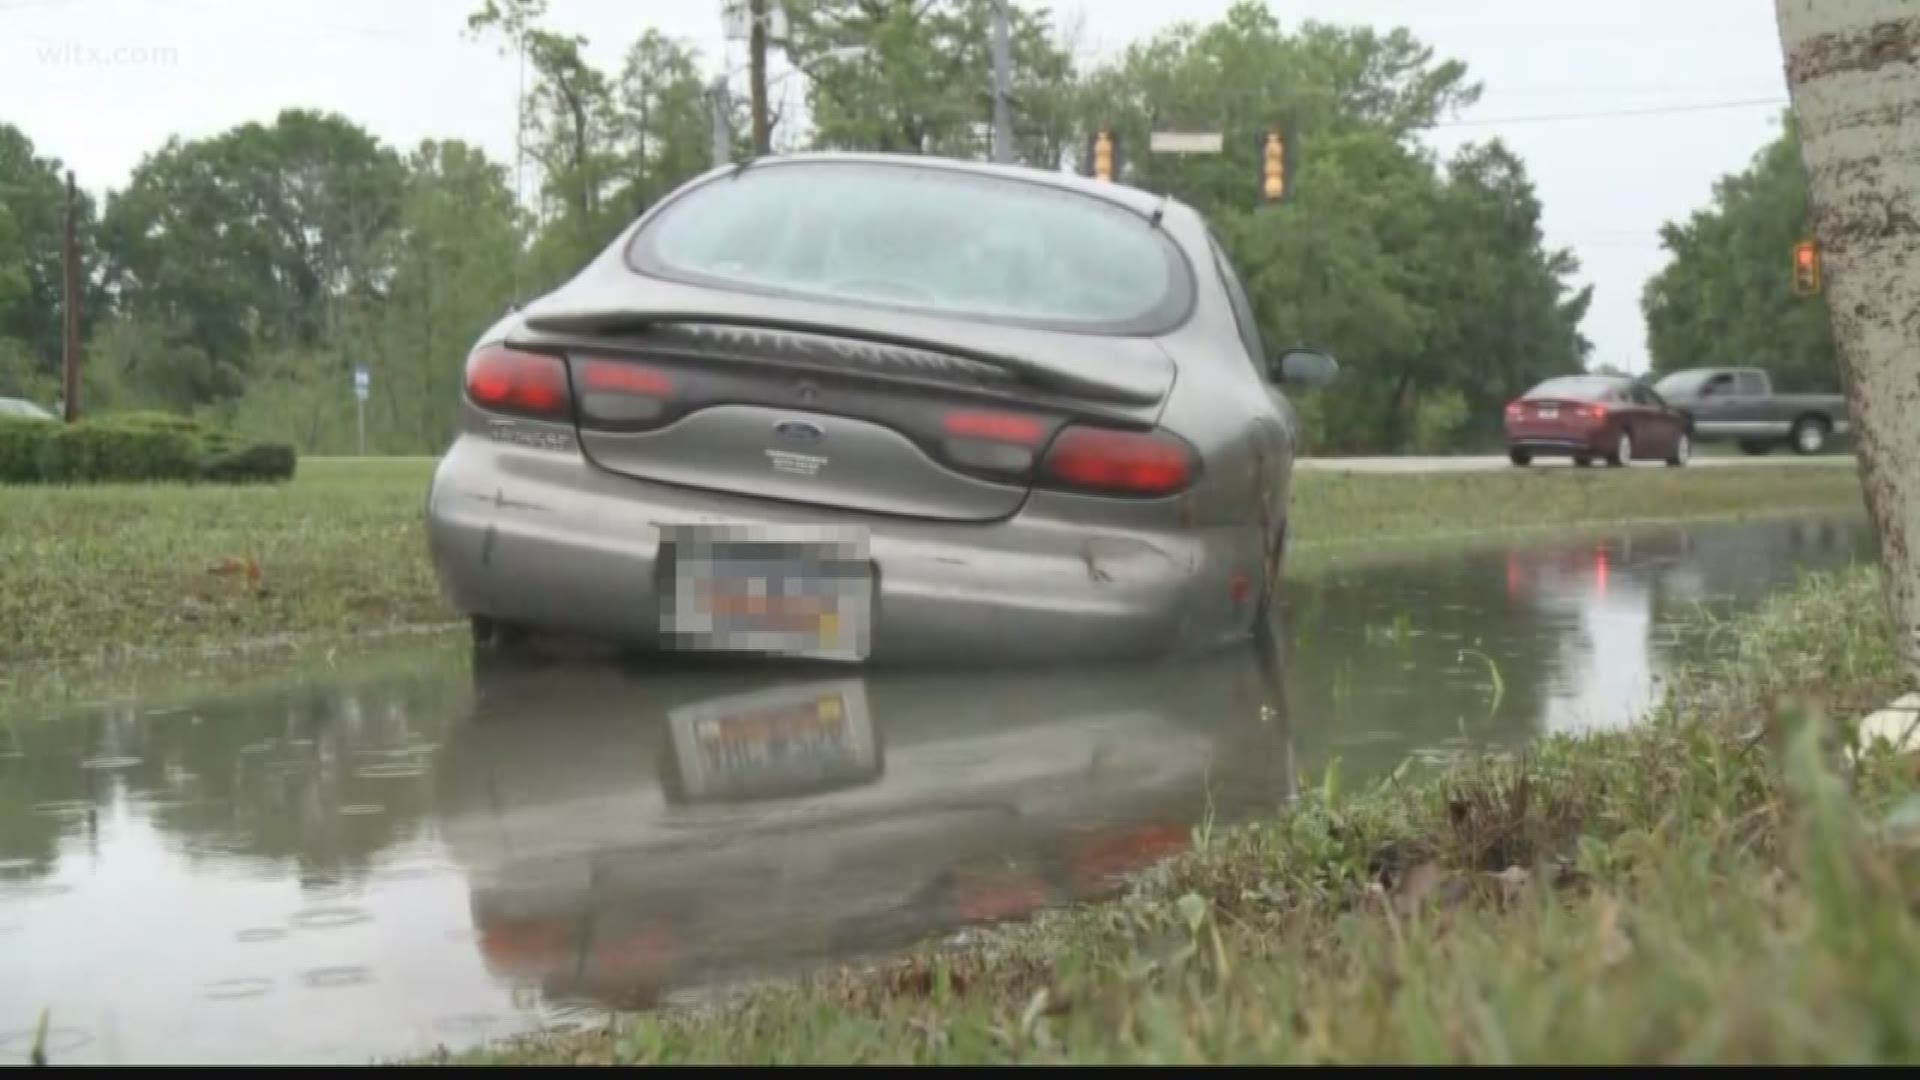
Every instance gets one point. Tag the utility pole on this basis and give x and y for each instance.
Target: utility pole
(757, 74)
(1853, 68)
(719, 105)
(70, 330)
(1002, 86)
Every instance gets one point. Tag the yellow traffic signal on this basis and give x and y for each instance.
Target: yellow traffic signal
(1806, 269)
(1102, 155)
(1273, 166)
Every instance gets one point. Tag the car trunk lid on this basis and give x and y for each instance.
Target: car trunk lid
(801, 410)
(1555, 414)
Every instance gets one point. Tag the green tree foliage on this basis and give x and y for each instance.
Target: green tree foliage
(605, 147)
(916, 77)
(266, 236)
(251, 271)
(1242, 75)
(1508, 316)
(447, 268)
(452, 275)
(1431, 281)
(1726, 296)
(664, 130)
(32, 312)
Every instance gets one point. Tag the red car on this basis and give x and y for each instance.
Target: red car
(1596, 416)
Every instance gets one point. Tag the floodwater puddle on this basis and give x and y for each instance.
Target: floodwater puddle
(372, 865)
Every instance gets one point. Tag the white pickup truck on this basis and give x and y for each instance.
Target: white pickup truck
(1739, 404)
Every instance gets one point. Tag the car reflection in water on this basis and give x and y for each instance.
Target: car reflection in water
(626, 833)
(1611, 598)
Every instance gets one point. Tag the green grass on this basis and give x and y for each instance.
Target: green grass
(122, 590)
(1336, 516)
(112, 590)
(108, 571)
(1730, 882)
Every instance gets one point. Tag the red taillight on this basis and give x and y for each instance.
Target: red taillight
(992, 901)
(507, 380)
(1591, 412)
(996, 426)
(650, 951)
(616, 377)
(526, 949)
(1103, 859)
(1514, 410)
(989, 441)
(1119, 462)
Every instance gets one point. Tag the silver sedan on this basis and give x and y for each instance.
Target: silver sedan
(875, 408)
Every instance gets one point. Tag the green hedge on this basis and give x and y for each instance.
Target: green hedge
(134, 447)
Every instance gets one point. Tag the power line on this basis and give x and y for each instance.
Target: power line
(1608, 114)
(1555, 89)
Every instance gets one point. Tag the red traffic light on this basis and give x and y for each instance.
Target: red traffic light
(1806, 268)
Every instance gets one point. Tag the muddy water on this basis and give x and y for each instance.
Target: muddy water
(381, 863)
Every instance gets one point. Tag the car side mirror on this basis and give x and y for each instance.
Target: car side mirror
(1303, 367)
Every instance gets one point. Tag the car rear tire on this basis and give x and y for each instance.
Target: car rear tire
(1756, 447)
(1622, 451)
(1809, 435)
(1682, 451)
(1585, 461)
(1520, 458)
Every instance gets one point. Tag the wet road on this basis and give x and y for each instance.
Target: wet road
(383, 862)
(1499, 463)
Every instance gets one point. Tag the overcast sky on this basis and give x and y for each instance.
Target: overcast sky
(1692, 88)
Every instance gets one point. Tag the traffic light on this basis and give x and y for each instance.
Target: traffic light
(1276, 171)
(1102, 155)
(1806, 269)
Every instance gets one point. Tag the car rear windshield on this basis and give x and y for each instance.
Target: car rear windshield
(938, 241)
(1577, 389)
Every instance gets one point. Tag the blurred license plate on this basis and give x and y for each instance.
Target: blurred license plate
(1547, 412)
(806, 596)
(775, 743)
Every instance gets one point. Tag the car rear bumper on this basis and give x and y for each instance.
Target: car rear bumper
(546, 540)
(1552, 445)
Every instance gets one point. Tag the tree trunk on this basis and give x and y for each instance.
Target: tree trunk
(1396, 404)
(644, 173)
(1002, 86)
(1853, 67)
(577, 113)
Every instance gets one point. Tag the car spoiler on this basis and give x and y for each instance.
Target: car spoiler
(1121, 370)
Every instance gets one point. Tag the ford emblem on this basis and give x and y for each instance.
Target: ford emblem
(799, 431)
